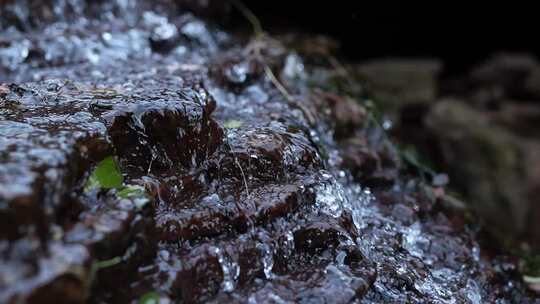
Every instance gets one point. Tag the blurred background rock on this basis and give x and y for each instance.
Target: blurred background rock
(460, 83)
(481, 127)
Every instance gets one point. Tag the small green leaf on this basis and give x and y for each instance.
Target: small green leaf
(131, 191)
(531, 280)
(106, 175)
(151, 297)
(232, 124)
(135, 193)
(108, 263)
(411, 156)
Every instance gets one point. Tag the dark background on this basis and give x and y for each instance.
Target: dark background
(457, 33)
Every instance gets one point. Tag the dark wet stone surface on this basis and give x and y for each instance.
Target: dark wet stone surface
(256, 197)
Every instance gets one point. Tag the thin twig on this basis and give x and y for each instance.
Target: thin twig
(237, 163)
(243, 175)
(259, 35)
(281, 88)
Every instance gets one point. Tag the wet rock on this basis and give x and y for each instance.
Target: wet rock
(506, 75)
(44, 275)
(14, 54)
(237, 69)
(371, 161)
(519, 118)
(162, 33)
(53, 132)
(403, 213)
(346, 114)
(253, 192)
(44, 151)
(499, 193)
(394, 83)
(362, 160)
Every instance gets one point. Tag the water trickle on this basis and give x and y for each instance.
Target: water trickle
(229, 268)
(413, 240)
(198, 31)
(267, 259)
(161, 29)
(329, 195)
(472, 292)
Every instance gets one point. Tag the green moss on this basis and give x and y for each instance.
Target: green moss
(107, 263)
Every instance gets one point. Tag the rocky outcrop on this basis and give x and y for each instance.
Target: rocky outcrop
(149, 156)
